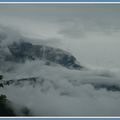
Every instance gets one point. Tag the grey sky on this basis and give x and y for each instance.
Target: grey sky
(90, 32)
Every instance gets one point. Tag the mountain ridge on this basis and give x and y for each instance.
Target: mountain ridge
(22, 51)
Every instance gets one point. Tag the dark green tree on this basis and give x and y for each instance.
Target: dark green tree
(1, 77)
(5, 109)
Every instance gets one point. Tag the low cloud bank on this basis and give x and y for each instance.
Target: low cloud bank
(63, 91)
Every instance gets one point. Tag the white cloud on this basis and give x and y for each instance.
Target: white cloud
(92, 37)
(68, 93)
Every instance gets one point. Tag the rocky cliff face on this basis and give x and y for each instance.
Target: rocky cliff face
(16, 48)
(22, 51)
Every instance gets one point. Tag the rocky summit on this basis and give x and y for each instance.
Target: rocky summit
(22, 51)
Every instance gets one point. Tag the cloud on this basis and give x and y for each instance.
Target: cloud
(91, 35)
(65, 90)
(8, 35)
(72, 30)
(85, 31)
(80, 26)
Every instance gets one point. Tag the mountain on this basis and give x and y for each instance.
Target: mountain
(23, 51)
(46, 81)
(40, 81)
(15, 48)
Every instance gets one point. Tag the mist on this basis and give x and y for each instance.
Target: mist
(90, 33)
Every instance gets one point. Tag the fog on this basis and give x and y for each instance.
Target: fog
(90, 33)
(64, 92)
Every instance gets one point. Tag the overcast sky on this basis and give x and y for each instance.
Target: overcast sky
(90, 32)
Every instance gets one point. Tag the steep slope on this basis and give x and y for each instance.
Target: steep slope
(22, 51)
(16, 48)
